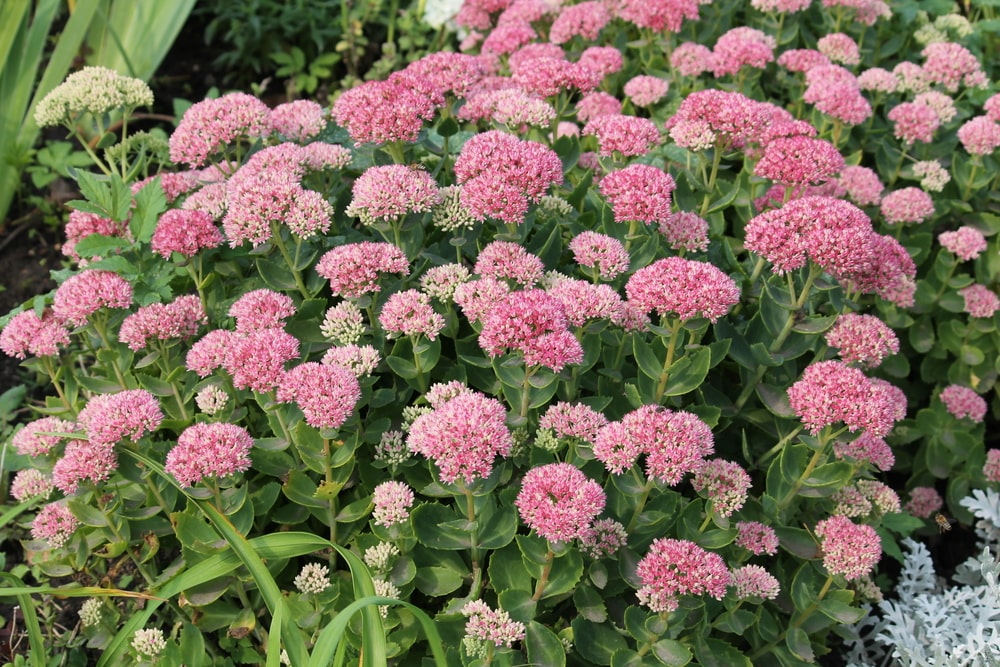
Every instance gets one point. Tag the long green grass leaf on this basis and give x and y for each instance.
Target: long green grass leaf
(36, 642)
(274, 638)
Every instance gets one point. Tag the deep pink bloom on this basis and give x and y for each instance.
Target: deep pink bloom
(941, 104)
(300, 120)
(583, 300)
(799, 160)
(848, 548)
(639, 192)
(527, 166)
(89, 291)
(409, 313)
(509, 37)
(865, 11)
(81, 225)
(27, 333)
(741, 47)
(462, 436)
(83, 460)
(353, 269)
(862, 339)
(965, 242)
(525, 322)
(963, 403)
(756, 538)
(980, 135)
(753, 581)
(914, 122)
(214, 449)
(659, 15)
(645, 90)
(907, 205)
(980, 300)
(866, 448)
(584, 20)
(673, 568)
(625, 135)
(261, 309)
(573, 420)
(477, 297)
(925, 500)
(492, 195)
(691, 59)
(597, 251)
(210, 352)
(108, 418)
(891, 273)
(682, 288)
(207, 127)
(55, 524)
(831, 391)
(836, 92)
(326, 394)
(257, 359)
(595, 63)
(506, 260)
(730, 118)
(390, 192)
(862, 184)
(725, 485)
(185, 232)
(447, 72)
(32, 439)
(392, 501)
(952, 65)
(558, 501)
(513, 107)
(839, 48)
(383, 111)
(597, 103)
(544, 75)
(180, 318)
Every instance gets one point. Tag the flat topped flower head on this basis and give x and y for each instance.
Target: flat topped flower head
(639, 192)
(325, 393)
(261, 309)
(93, 90)
(862, 339)
(27, 333)
(682, 288)
(109, 418)
(181, 318)
(87, 292)
(208, 127)
(212, 450)
(506, 260)
(559, 502)
(389, 192)
(673, 568)
(831, 391)
(604, 254)
(354, 269)
(848, 549)
(963, 403)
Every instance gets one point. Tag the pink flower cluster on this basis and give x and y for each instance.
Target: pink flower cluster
(385, 111)
(862, 184)
(214, 450)
(965, 242)
(573, 420)
(325, 393)
(81, 225)
(109, 418)
(914, 122)
(835, 91)
(799, 160)
(533, 324)
(839, 48)
(924, 501)
(462, 436)
(831, 391)
(673, 568)
(353, 269)
(645, 90)
(55, 524)
(390, 192)
(685, 230)
(623, 135)
(741, 47)
(299, 120)
(392, 501)
(862, 339)
(674, 442)
(559, 502)
(756, 538)
(495, 627)
(185, 232)
(980, 300)
(866, 448)
(980, 135)
(963, 403)
(603, 538)
(261, 309)
(409, 313)
(255, 360)
(602, 253)
(682, 288)
(952, 65)
(36, 439)
(209, 126)
(991, 469)
(163, 321)
(27, 333)
(585, 20)
(87, 292)
(907, 205)
(582, 300)
(658, 15)
(506, 260)
(639, 192)
(848, 549)
(709, 117)
(753, 581)
(83, 460)
(725, 484)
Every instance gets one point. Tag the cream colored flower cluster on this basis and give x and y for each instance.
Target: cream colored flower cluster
(94, 90)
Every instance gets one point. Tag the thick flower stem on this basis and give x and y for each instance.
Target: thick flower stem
(544, 579)
(643, 497)
(297, 275)
(54, 377)
(668, 361)
(818, 457)
(477, 573)
(526, 393)
(780, 445)
(332, 507)
(710, 186)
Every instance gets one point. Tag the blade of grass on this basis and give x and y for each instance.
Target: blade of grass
(274, 638)
(35, 640)
(15, 512)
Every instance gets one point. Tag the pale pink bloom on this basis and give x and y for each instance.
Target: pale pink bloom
(965, 242)
(883, 498)
(409, 313)
(963, 403)
(300, 120)
(558, 501)
(87, 292)
(210, 352)
(673, 568)
(383, 111)
(603, 539)
(836, 92)
(862, 184)
(658, 15)
(980, 300)
(55, 524)
(753, 581)
(325, 393)
(360, 360)
(979, 135)
(527, 10)
(320, 155)
(639, 192)
(477, 297)
(442, 392)
(848, 549)
(801, 60)
(506, 260)
(389, 192)
(732, 118)
(343, 324)
(849, 501)
(756, 538)
(521, 322)
(878, 80)
(991, 469)
(214, 450)
(865, 11)
(544, 75)
(509, 37)
(36, 439)
(495, 627)
(925, 500)
(80, 225)
(257, 359)
(595, 63)
(597, 251)
(741, 47)
(839, 48)
(597, 103)
(799, 160)
(353, 269)
(907, 205)
(941, 104)
(933, 177)
(952, 65)
(83, 460)
(645, 90)
(211, 199)
(780, 5)
(992, 108)
(583, 300)
(209, 126)
(462, 436)
(862, 339)
(914, 122)
(448, 73)
(573, 420)
(692, 59)
(180, 318)
(27, 333)
(29, 484)
(625, 135)
(513, 107)
(527, 166)
(725, 484)
(108, 418)
(831, 391)
(392, 501)
(585, 20)
(185, 232)
(682, 288)
(261, 309)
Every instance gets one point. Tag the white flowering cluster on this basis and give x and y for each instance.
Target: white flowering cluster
(94, 90)
(930, 623)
